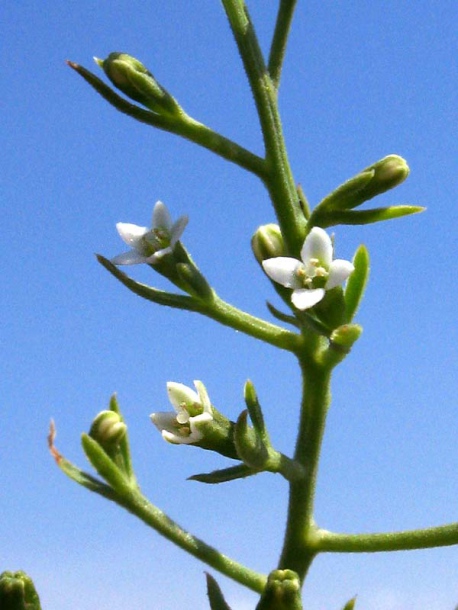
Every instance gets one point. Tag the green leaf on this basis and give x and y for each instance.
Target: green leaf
(350, 604)
(147, 292)
(215, 595)
(356, 283)
(250, 447)
(224, 475)
(365, 217)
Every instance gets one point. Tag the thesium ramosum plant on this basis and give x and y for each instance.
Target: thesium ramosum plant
(320, 297)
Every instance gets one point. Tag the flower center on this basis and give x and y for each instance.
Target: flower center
(313, 274)
(156, 239)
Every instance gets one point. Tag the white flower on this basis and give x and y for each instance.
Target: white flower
(311, 277)
(192, 409)
(149, 245)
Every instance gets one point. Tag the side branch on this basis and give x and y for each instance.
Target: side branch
(444, 535)
(185, 126)
(280, 39)
(217, 309)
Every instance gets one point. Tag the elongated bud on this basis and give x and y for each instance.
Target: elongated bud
(250, 447)
(282, 592)
(132, 78)
(195, 282)
(374, 180)
(267, 242)
(17, 592)
(108, 429)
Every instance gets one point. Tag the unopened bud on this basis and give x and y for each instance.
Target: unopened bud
(374, 180)
(282, 592)
(108, 429)
(267, 242)
(344, 336)
(17, 592)
(132, 78)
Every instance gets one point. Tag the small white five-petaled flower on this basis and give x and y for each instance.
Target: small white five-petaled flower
(314, 274)
(192, 410)
(149, 245)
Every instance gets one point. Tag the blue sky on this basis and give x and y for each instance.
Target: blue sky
(361, 80)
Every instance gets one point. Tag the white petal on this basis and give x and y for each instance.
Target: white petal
(163, 421)
(179, 394)
(283, 270)
(304, 298)
(176, 439)
(177, 229)
(133, 257)
(318, 245)
(157, 255)
(161, 217)
(338, 273)
(131, 234)
(204, 399)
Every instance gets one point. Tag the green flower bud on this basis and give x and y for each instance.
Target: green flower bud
(17, 592)
(194, 281)
(282, 592)
(250, 447)
(343, 337)
(132, 78)
(374, 180)
(108, 429)
(267, 242)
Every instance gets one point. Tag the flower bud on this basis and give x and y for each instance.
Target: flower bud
(374, 180)
(132, 78)
(17, 592)
(108, 429)
(282, 592)
(267, 242)
(343, 337)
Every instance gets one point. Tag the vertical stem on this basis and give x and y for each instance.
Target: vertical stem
(279, 179)
(299, 548)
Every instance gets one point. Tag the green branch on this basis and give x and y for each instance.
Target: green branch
(217, 309)
(123, 492)
(183, 126)
(444, 535)
(279, 180)
(280, 39)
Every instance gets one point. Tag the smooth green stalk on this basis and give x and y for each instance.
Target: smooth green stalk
(300, 547)
(280, 38)
(279, 180)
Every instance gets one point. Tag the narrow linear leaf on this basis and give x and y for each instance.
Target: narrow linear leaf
(350, 604)
(215, 595)
(356, 283)
(365, 217)
(147, 292)
(224, 475)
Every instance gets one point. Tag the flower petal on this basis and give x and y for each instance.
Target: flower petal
(283, 270)
(318, 245)
(133, 257)
(338, 273)
(177, 229)
(179, 394)
(131, 234)
(204, 399)
(161, 217)
(305, 298)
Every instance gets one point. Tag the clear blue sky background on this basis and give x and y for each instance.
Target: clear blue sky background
(361, 80)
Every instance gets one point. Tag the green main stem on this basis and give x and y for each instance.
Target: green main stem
(300, 545)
